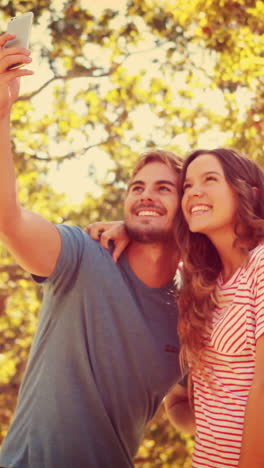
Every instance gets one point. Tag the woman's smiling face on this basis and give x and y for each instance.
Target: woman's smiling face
(209, 203)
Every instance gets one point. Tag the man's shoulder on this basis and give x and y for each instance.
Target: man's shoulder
(69, 230)
(74, 236)
(80, 255)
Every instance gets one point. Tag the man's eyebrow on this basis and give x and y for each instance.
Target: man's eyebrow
(136, 182)
(166, 182)
(157, 182)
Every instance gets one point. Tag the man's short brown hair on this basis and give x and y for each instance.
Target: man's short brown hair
(169, 158)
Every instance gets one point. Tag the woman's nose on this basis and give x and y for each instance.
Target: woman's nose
(195, 191)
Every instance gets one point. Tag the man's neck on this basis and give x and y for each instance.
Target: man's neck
(154, 264)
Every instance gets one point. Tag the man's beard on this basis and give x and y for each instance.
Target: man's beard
(148, 235)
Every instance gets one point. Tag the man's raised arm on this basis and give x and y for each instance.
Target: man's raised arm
(33, 241)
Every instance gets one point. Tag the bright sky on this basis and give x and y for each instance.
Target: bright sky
(73, 176)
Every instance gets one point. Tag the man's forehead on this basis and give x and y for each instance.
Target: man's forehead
(155, 171)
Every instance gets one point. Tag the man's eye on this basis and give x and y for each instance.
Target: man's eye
(164, 188)
(136, 188)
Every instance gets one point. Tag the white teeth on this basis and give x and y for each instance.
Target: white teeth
(197, 208)
(148, 213)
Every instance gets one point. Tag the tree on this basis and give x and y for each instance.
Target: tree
(191, 69)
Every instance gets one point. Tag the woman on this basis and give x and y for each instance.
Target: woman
(220, 229)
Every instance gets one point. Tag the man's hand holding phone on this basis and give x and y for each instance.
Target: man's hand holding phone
(20, 28)
(14, 54)
(9, 83)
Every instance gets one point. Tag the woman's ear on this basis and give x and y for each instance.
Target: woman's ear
(255, 192)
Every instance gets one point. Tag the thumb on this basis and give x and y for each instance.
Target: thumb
(120, 247)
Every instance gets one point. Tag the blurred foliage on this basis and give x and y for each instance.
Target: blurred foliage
(190, 68)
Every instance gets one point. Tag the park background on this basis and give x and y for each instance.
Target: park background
(113, 78)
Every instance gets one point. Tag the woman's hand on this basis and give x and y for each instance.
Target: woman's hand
(106, 231)
(9, 79)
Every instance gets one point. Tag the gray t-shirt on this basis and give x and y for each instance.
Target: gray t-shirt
(104, 355)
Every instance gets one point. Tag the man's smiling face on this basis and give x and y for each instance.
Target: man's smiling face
(151, 203)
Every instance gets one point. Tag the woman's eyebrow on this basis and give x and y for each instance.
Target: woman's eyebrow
(206, 173)
(213, 172)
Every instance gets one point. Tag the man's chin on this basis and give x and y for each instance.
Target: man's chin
(148, 236)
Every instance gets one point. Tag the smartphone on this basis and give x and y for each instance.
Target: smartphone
(21, 27)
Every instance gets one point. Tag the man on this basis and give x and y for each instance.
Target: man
(105, 351)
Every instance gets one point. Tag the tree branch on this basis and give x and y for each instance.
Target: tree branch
(78, 72)
(74, 154)
(70, 155)
(15, 272)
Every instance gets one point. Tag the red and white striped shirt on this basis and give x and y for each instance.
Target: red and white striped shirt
(222, 384)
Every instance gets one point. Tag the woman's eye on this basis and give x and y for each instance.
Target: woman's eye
(185, 187)
(208, 178)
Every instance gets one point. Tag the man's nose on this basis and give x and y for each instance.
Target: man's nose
(147, 194)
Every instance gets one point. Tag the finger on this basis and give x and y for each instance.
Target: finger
(16, 73)
(105, 237)
(11, 60)
(9, 76)
(118, 250)
(5, 38)
(95, 232)
(87, 229)
(14, 51)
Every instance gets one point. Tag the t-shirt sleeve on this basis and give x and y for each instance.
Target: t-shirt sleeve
(259, 297)
(68, 264)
